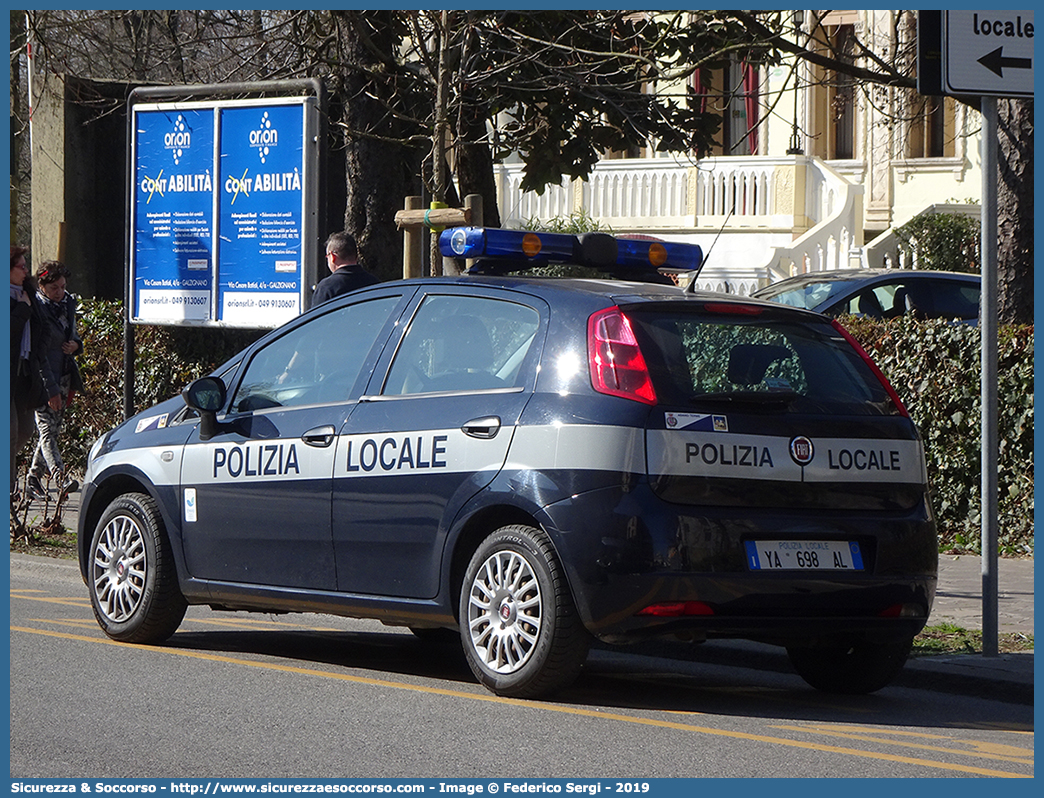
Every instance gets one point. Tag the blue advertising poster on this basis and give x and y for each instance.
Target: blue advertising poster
(260, 214)
(173, 215)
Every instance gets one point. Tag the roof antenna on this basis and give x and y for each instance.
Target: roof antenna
(691, 287)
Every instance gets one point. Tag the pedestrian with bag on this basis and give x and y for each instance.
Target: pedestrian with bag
(32, 382)
(58, 308)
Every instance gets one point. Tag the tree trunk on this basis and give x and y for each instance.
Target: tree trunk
(1015, 212)
(475, 165)
(379, 173)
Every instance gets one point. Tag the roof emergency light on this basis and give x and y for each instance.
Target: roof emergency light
(668, 256)
(492, 242)
(519, 249)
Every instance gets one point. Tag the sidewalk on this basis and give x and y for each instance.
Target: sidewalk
(958, 600)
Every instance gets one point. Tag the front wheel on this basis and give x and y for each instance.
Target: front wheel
(519, 624)
(853, 670)
(132, 580)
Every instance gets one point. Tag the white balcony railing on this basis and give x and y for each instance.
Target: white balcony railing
(835, 240)
(771, 200)
(623, 194)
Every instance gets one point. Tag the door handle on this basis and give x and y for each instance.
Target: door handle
(484, 428)
(320, 436)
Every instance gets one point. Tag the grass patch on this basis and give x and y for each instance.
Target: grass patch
(948, 638)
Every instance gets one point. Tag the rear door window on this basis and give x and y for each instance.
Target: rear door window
(464, 343)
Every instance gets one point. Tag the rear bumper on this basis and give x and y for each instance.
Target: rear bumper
(796, 610)
(638, 551)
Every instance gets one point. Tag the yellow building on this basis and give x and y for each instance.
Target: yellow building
(811, 168)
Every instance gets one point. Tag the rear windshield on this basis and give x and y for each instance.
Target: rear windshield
(757, 363)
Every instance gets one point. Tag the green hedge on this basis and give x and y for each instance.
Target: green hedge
(934, 366)
(166, 360)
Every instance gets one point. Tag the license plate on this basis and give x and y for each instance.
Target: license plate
(803, 555)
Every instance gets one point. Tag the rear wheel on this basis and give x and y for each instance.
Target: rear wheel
(132, 580)
(519, 625)
(854, 670)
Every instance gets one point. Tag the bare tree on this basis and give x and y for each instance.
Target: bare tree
(558, 88)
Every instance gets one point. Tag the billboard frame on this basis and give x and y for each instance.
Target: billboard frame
(310, 93)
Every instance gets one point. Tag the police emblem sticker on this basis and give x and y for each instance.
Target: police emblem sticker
(152, 422)
(696, 422)
(801, 450)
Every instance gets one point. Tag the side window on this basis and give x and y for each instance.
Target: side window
(463, 343)
(315, 363)
(955, 300)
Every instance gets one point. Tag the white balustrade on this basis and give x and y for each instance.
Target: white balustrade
(682, 197)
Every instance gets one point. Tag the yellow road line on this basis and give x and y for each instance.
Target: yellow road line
(980, 748)
(576, 711)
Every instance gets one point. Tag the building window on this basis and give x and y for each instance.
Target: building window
(928, 136)
(842, 96)
(734, 93)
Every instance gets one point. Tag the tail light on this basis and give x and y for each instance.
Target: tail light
(618, 367)
(873, 367)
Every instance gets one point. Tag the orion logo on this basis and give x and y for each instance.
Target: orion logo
(178, 139)
(264, 138)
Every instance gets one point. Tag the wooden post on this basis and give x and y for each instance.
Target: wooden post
(473, 206)
(415, 221)
(413, 242)
(473, 203)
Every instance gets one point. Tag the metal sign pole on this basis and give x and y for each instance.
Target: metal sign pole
(988, 331)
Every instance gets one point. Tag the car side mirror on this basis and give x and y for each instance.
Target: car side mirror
(206, 396)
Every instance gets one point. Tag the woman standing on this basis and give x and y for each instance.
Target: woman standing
(58, 308)
(32, 383)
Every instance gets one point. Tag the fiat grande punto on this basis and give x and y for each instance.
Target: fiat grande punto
(535, 464)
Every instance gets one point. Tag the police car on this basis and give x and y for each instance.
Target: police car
(536, 464)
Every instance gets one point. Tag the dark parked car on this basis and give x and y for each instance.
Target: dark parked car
(534, 464)
(881, 293)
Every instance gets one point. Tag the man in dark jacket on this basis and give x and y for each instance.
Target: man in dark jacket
(342, 256)
(31, 378)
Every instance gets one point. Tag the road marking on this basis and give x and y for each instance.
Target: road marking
(980, 748)
(565, 710)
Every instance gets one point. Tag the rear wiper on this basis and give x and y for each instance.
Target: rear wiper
(749, 397)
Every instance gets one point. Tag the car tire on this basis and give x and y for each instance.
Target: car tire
(131, 578)
(853, 670)
(520, 629)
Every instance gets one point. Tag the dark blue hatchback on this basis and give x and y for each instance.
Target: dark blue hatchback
(534, 463)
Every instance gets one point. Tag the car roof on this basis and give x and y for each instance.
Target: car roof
(610, 291)
(868, 275)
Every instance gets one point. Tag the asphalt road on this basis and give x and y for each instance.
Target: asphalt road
(309, 696)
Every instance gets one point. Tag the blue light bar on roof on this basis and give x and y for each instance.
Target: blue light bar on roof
(641, 253)
(491, 242)
(599, 250)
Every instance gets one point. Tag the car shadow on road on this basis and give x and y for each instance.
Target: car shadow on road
(665, 679)
(392, 652)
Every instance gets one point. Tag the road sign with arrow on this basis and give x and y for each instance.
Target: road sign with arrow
(988, 53)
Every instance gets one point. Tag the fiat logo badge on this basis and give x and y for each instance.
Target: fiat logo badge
(801, 450)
